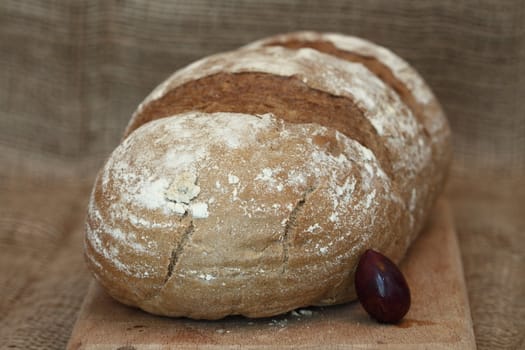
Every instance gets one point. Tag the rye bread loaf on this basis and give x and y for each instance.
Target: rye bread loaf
(251, 181)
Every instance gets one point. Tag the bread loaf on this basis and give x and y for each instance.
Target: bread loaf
(250, 182)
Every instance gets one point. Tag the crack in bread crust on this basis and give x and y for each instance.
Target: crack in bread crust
(178, 249)
(291, 223)
(373, 64)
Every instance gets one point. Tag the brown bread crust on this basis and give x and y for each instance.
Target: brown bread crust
(414, 153)
(276, 233)
(352, 121)
(286, 97)
(402, 78)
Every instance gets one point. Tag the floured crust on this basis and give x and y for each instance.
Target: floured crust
(251, 181)
(401, 77)
(409, 155)
(277, 233)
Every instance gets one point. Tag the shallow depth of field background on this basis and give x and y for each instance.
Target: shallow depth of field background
(72, 72)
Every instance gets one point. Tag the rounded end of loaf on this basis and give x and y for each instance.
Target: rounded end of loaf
(193, 216)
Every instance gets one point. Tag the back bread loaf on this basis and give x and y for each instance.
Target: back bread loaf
(250, 182)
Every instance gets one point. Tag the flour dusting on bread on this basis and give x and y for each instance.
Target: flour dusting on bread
(402, 134)
(202, 212)
(233, 166)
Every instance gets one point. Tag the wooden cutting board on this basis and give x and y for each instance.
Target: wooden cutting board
(439, 317)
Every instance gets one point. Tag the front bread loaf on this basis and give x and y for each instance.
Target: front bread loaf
(250, 182)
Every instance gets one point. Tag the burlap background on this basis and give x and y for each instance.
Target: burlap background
(73, 71)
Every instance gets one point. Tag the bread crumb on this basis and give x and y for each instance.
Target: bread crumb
(295, 313)
(199, 210)
(232, 179)
(207, 277)
(306, 312)
(265, 175)
(178, 208)
(313, 227)
(183, 189)
(279, 323)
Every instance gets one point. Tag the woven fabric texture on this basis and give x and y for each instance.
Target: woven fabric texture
(73, 72)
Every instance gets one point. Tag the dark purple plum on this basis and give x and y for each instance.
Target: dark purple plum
(381, 287)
